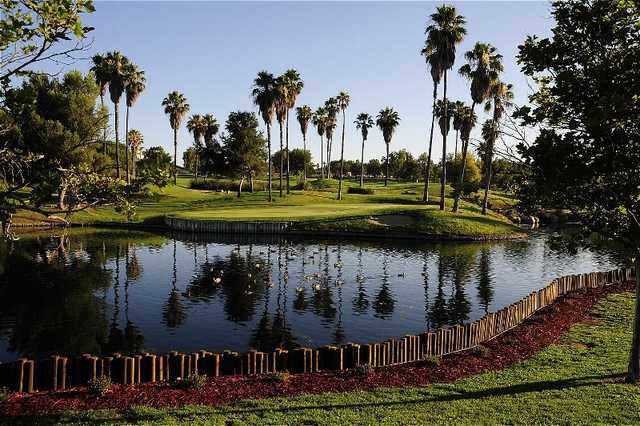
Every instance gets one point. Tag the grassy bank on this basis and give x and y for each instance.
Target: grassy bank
(578, 381)
(318, 209)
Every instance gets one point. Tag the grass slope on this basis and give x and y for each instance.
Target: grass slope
(578, 381)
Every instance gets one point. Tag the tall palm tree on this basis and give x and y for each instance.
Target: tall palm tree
(468, 120)
(444, 33)
(500, 100)
(343, 102)
(304, 115)
(457, 107)
(197, 126)
(117, 65)
(211, 127)
(135, 83)
(433, 60)
(282, 109)
(331, 108)
(363, 122)
(387, 120)
(100, 69)
(135, 143)
(294, 83)
(484, 65)
(320, 121)
(444, 119)
(264, 97)
(176, 107)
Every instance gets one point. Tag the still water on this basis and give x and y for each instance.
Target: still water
(103, 291)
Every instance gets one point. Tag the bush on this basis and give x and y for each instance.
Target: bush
(5, 393)
(363, 370)
(192, 381)
(278, 377)
(358, 190)
(433, 361)
(481, 351)
(100, 386)
(303, 186)
(228, 185)
(323, 184)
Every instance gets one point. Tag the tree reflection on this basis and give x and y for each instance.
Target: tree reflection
(384, 303)
(485, 287)
(361, 299)
(174, 313)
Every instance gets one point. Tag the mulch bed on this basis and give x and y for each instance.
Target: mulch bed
(538, 332)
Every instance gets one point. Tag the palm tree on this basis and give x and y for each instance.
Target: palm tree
(343, 102)
(304, 115)
(483, 67)
(320, 121)
(100, 70)
(444, 33)
(363, 122)
(431, 55)
(468, 120)
(135, 83)
(331, 108)
(387, 121)
(500, 99)
(294, 83)
(176, 107)
(457, 107)
(444, 119)
(282, 109)
(211, 127)
(117, 65)
(197, 126)
(264, 97)
(135, 143)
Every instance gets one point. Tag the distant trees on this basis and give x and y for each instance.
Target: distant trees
(176, 107)
(299, 160)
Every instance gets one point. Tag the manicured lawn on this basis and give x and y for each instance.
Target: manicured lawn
(352, 213)
(578, 381)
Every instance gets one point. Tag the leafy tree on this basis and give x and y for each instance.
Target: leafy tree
(155, 166)
(363, 122)
(472, 176)
(244, 147)
(264, 97)
(176, 107)
(33, 32)
(586, 157)
(374, 167)
(299, 159)
(443, 34)
(53, 129)
(387, 121)
(190, 159)
(304, 115)
(343, 100)
(483, 67)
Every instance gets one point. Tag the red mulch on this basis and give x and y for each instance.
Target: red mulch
(538, 332)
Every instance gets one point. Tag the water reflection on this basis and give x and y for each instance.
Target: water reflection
(96, 291)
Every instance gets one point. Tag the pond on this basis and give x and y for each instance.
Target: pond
(102, 291)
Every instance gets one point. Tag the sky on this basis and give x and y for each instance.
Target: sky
(212, 51)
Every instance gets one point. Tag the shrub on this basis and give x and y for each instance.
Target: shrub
(5, 393)
(192, 381)
(323, 184)
(358, 190)
(278, 377)
(227, 185)
(100, 386)
(433, 361)
(481, 351)
(303, 186)
(363, 370)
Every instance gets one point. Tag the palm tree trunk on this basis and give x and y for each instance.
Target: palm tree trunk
(455, 150)
(329, 143)
(175, 156)
(269, 148)
(240, 186)
(321, 156)
(443, 178)
(126, 144)
(465, 147)
(304, 144)
(104, 131)
(251, 183)
(341, 160)
(485, 201)
(386, 160)
(287, 149)
(117, 123)
(133, 164)
(425, 196)
(633, 371)
(281, 158)
(362, 164)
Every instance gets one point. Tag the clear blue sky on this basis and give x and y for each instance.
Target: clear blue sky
(211, 51)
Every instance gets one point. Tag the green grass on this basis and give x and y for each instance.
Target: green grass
(579, 381)
(315, 205)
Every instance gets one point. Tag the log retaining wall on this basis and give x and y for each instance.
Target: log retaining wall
(59, 372)
(227, 227)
